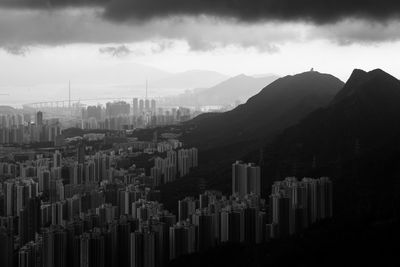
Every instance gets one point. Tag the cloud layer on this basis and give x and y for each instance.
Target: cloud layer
(288, 10)
(318, 11)
(70, 26)
(28, 27)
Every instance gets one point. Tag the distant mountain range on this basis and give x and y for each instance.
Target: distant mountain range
(238, 88)
(124, 79)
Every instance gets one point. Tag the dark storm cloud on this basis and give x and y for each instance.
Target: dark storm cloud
(30, 28)
(318, 11)
(50, 3)
(21, 29)
(358, 31)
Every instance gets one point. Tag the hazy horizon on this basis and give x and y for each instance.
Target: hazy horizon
(20, 94)
(112, 43)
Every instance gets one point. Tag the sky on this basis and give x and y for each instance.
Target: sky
(108, 47)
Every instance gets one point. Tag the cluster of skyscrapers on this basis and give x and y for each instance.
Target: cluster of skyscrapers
(100, 227)
(18, 129)
(55, 203)
(140, 106)
(123, 116)
(298, 204)
(213, 218)
(82, 211)
(174, 164)
(246, 179)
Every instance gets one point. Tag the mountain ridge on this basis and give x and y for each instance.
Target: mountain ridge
(267, 112)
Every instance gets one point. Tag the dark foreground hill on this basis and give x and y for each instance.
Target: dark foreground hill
(355, 140)
(364, 115)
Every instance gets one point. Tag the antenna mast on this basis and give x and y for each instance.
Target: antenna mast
(69, 95)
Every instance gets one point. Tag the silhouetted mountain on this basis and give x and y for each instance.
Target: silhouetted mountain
(279, 105)
(356, 140)
(364, 115)
(238, 88)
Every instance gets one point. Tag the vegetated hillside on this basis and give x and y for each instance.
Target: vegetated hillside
(279, 105)
(355, 140)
